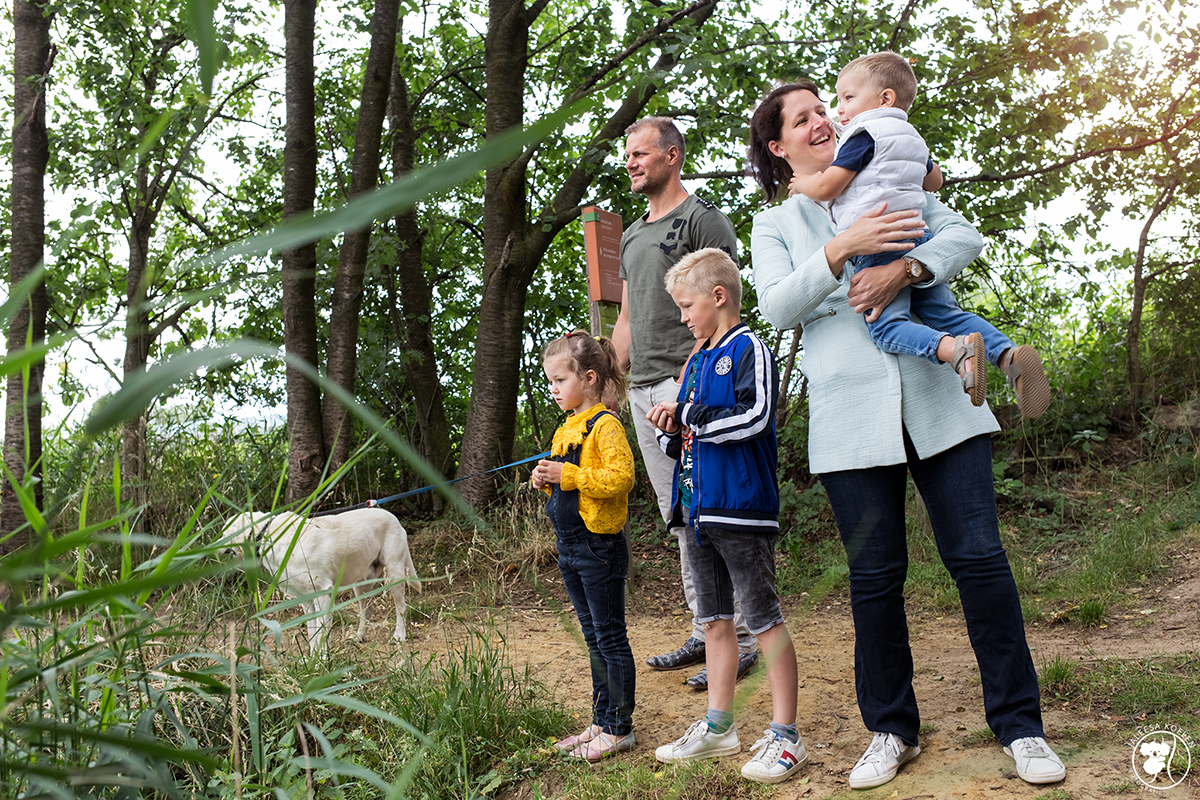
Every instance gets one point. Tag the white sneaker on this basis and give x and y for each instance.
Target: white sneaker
(698, 743)
(1036, 762)
(886, 754)
(775, 760)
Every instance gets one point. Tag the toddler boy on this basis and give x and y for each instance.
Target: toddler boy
(881, 158)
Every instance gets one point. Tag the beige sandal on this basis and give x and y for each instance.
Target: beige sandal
(603, 746)
(1027, 378)
(572, 742)
(974, 382)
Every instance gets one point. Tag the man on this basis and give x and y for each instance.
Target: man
(652, 342)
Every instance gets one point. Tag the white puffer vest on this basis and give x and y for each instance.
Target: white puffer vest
(895, 173)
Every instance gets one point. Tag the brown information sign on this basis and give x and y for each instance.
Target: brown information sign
(602, 240)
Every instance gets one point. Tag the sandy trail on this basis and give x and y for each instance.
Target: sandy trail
(956, 762)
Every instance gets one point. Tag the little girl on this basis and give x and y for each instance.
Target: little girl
(588, 478)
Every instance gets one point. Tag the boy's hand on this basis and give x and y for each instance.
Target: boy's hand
(546, 472)
(796, 184)
(662, 416)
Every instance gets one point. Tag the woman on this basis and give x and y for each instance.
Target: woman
(919, 421)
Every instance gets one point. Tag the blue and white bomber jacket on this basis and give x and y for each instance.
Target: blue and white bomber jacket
(734, 456)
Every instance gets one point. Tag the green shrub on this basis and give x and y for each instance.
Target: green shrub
(486, 722)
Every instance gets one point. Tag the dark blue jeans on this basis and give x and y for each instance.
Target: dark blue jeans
(895, 332)
(594, 568)
(868, 505)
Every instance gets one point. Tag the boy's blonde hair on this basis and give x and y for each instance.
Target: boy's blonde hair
(704, 270)
(887, 70)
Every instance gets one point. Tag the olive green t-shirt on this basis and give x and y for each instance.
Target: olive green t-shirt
(660, 343)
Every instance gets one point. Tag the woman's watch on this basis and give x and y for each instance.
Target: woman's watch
(915, 269)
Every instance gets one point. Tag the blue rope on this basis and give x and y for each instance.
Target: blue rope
(402, 495)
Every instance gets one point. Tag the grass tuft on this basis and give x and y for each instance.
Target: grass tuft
(980, 736)
(1119, 787)
(1092, 613)
(488, 724)
(1060, 677)
(646, 779)
(1055, 794)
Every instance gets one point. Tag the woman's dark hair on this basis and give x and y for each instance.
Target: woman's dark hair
(766, 125)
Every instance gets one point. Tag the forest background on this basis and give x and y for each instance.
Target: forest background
(390, 194)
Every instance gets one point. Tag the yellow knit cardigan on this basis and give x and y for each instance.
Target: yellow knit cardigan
(605, 472)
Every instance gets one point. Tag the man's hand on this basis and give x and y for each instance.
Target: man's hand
(873, 288)
(662, 416)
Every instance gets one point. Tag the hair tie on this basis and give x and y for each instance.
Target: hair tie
(597, 338)
(568, 336)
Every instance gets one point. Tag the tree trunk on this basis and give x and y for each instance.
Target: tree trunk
(137, 346)
(342, 362)
(782, 413)
(32, 57)
(306, 445)
(513, 248)
(491, 418)
(415, 295)
(1139, 390)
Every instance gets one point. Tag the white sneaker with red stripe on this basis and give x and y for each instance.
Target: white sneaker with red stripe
(775, 759)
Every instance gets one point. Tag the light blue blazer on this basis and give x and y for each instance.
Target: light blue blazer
(860, 398)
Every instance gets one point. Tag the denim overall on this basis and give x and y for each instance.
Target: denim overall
(594, 568)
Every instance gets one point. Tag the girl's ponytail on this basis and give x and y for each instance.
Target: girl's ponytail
(614, 392)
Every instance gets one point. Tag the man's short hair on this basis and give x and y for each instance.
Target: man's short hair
(668, 135)
(887, 70)
(704, 270)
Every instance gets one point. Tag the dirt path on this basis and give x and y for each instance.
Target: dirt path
(956, 762)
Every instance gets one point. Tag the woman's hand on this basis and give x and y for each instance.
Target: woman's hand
(874, 232)
(546, 472)
(872, 289)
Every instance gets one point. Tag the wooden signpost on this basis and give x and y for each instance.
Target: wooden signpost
(602, 241)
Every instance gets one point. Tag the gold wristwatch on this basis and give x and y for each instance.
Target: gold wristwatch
(914, 268)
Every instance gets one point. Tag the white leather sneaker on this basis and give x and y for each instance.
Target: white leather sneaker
(883, 759)
(1036, 762)
(775, 759)
(699, 743)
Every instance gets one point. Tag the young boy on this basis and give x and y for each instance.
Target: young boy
(882, 159)
(722, 431)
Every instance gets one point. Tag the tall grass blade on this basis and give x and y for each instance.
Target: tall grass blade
(404, 193)
(141, 388)
(204, 35)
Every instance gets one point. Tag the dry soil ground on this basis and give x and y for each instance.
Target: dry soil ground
(956, 761)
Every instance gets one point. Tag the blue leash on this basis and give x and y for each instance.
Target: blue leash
(402, 495)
